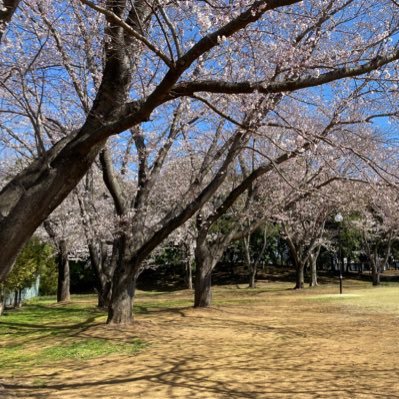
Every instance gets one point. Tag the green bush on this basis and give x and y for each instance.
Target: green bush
(36, 258)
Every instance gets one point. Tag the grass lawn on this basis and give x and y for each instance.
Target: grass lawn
(271, 342)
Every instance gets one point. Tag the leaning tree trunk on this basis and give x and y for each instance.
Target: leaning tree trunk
(64, 280)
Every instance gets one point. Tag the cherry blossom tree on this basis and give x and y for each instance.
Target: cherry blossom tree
(377, 220)
(186, 67)
(97, 220)
(125, 63)
(64, 228)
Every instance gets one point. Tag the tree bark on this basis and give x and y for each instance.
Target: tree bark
(64, 280)
(300, 280)
(375, 272)
(252, 281)
(103, 268)
(120, 309)
(189, 265)
(313, 273)
(313, 268)
(251, 264)
(204, 262)
(203, 286)
(189, 277)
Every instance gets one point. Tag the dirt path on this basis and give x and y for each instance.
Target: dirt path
(275, 347)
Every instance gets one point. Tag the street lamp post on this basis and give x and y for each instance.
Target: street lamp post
(338, 219)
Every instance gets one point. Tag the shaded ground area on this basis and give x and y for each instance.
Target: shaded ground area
(268, 343)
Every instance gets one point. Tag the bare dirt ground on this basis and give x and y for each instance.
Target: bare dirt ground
(281, 344)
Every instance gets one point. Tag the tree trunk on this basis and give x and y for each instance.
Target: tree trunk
(300, 280)
(313, 271)
(189, 266)
(104, 295)
(252, 277)
(103, 269)
(203, 286)
(204, 262)
(15, 298)
(375, 272)
(252, 269)
(189, 275)
(64, 281)
(120, 310)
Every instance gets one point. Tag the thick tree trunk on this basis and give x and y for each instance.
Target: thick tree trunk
(120, 310)
(203, 286)
(64, 281)
(36, 192)
(205, 263)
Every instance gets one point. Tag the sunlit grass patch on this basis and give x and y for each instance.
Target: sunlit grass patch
(332, 297)
(90, 348)
(44, 332)
(384, 298)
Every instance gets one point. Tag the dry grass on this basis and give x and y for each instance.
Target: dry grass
(267, 343)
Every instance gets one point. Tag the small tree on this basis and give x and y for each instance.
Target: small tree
(37, 257)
